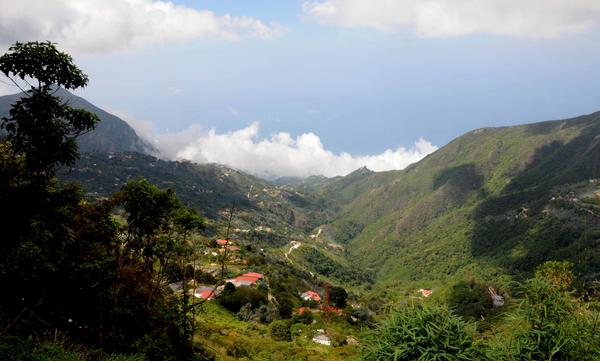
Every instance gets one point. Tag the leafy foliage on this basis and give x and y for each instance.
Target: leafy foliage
(470, 299)
(40, 125)
(338, 296)
(347, 230)
(233, 298)
(558, 273)
(68, 264)
(280, 330)
(549, 324)
(421, 332)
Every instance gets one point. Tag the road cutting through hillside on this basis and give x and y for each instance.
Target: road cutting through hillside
(293, 246)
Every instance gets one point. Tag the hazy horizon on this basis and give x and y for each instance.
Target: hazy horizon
(321, 87)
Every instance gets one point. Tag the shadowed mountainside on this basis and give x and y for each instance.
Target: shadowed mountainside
(112, 134)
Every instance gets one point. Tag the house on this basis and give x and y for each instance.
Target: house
(247, 279)
(205, 293)
(322, 338)
(254, 274)
(176, 286)
(243, 281)
(301, 310)
(222, 242)
(310, 296)
(233, 248)
(426, 292)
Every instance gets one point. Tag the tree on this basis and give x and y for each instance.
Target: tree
(41, 126)
(68, 265)
(280, 330)
(338, 296)
(470, 299)
(39, 219)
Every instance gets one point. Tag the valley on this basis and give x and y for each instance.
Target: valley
(488, 248)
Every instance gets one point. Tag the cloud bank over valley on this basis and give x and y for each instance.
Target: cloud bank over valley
(275, 156)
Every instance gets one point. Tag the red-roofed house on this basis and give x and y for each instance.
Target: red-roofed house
(222, 242)
(243, 281)
(426, 292)
(204, 294)
(310, 296)
(301, 310)
(254, 274)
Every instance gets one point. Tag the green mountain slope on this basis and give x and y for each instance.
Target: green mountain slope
(212, 189)
(481, 203)
(493, 201)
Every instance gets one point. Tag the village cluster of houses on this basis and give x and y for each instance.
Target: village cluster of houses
(255, 279)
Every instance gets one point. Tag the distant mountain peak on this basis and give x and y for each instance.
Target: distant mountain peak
(112, 134)
(361, 171)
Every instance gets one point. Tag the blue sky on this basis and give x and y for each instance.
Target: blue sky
(361, 86)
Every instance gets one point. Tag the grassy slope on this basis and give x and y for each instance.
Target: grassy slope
(221, 332)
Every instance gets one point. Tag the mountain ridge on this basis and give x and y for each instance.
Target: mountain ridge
(479, 204)
(112, 134)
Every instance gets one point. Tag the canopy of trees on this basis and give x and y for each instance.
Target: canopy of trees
(67, 265)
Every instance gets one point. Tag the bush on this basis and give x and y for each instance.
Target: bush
(338, 296)
(421, 332)
(286, 304)
(265, 314)
(234, 298)
(306, 318)
(549, 324)
(280, 330)
(238, 349)
(558, 273)
(470, 299)
(363, 315)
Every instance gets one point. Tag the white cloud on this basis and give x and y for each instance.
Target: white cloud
(276, 156)
(442, 18)
(107, 25)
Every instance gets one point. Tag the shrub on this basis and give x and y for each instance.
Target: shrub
(280, 330)
(338, 296)
(234, 298)
(286, 304)
(558, 273)
(549, 324)
(305, 317)
(363, 315)
(265, 314)
(470, 299)
(245, 313)
(238, 349)
(421, 332)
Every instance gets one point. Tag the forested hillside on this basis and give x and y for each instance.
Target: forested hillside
(497, 200)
